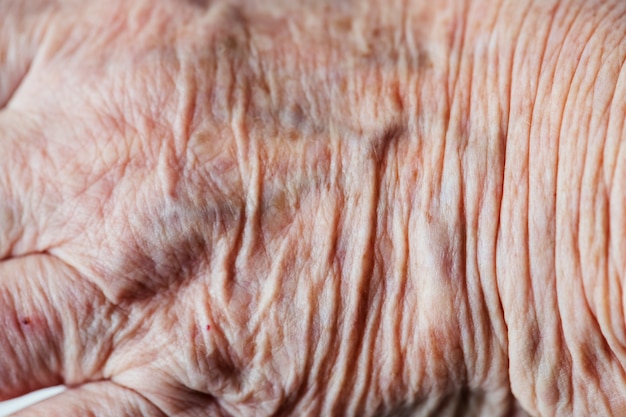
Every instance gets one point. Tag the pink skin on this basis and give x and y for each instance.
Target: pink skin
(313, 208)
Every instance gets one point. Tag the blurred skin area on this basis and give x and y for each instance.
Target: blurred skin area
(314, 208)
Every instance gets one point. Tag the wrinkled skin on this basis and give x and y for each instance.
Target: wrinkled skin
(328, 208)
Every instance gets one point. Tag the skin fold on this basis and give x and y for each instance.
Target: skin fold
(314, 208)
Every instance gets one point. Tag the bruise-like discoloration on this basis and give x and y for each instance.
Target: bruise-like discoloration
(315, 208)
(202, 4)
(309, 151)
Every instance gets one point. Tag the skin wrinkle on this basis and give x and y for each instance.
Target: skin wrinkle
(124, 399)
(297, 384)
(271, 287)
(609, 158)
(597, 133)
(335, 263)
(146, 399)
(569, 394)
(386, 364)
(563, 387)
(471, 292)
(9, 218)
(410, 174)
(21, 51)
(577, 354)
(501, 331)
(612, 290)
(352, 291)
(398, 270)
(497, 148)
(331, 223)
(380, 155)
(15, 236)
(581, 353)
(538, 223)
(248, 150)
(512, 167)
(321, 368)
(475, 179)
(461, 149)
(338, 261)
(44, 327)
(372, 271)
(8, 302)
(459, 108)
(48, 325)
(587, 268)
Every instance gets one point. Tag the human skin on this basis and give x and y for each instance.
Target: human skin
(380, 208)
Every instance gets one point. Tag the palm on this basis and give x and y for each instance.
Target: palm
(130, 202)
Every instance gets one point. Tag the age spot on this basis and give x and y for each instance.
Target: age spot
(203, 4)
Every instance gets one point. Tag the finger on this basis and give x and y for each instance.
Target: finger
(21, 29)
(48, 317)
(100, 399)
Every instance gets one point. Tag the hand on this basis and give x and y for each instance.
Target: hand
(175, 220)
(215, 208)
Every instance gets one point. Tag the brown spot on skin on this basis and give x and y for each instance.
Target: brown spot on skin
(424, 60)
(296, 116)
(230, 43)
(25, 321)
(200, 3)
(344, 24)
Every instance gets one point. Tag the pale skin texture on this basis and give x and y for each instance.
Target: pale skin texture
(324, 208)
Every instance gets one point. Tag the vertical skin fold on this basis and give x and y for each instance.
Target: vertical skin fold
(403, 283)
(450, 326)
(560, 295)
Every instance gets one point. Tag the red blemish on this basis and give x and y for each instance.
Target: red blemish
(208, 327)
(25, 321)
